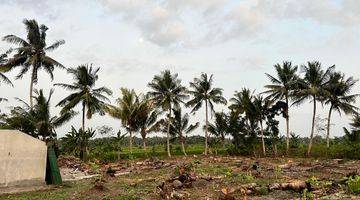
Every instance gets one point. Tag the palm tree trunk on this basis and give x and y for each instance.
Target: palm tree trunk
(312, 128)
(262, 138)
(144, 144)
(328, 128)
(83, 117)
(206, 127)
(287, 125)
(182, 145)
(143, 135)
(86, 153)
(31, 88)
(130, 142)
(223, 141)
(168, 133)
(275, 149)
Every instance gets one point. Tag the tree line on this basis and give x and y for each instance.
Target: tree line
(250, 118)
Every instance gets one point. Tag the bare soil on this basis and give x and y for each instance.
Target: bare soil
(210, 178)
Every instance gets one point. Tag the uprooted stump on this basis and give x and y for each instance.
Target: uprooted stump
(296, 186)
(226, 194)
(183, 177)
(99, 186)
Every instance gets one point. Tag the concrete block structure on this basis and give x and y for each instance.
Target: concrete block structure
(22, 159)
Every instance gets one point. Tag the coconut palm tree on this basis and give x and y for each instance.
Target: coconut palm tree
(339, 97)
(312, 87)
(127, 110)
(37, 121)
(220, 127)
(31, 53)
(241, 103)
(93, 100)
(353, 136)
(147, 116)
(167, 93)
(281, 89)
(180, 126)
(261, 107)
(203, 92)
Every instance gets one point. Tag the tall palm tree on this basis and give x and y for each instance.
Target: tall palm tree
(312, 87)
(281, 88)
(203, 92)
(243, 104)
(127, 110)
(93, 100)
(261, 107)
(220, 126)
(167, 93)
(180, 126)
(31, 53)
(147, 118)
(339, 97)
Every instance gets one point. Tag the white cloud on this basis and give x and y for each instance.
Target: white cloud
(166, 23)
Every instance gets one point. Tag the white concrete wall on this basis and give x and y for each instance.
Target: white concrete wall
(22, 159)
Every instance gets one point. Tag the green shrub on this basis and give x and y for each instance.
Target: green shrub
(354, 184)
(105, 157)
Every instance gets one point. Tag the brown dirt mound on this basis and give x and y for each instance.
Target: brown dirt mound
(73, 163)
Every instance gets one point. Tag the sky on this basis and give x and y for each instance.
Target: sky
(236, 41)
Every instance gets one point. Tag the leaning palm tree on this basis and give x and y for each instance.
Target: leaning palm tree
(127, 110)
(31, 53)
(180, 126)
(147, 117)
(220, 127)
(312, 86)
(281, 88)
(203, 92)
(167, 93)
(93, 100)
(339, 97)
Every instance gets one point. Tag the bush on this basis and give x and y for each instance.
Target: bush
(354, 184)
(105, 157)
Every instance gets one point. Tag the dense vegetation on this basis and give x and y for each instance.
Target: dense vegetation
(251, 120)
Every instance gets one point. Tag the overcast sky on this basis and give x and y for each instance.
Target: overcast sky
(237, 41)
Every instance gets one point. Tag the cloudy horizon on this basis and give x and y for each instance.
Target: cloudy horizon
(237, 41)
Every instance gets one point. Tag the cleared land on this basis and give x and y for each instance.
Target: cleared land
(205, 178)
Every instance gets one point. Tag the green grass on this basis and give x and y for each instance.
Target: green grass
(151, 151)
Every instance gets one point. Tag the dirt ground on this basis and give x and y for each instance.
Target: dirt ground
(205, 178)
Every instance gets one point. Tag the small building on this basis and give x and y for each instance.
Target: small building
(22, 159)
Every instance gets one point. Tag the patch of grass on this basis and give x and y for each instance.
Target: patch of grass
(262, 191)
(307, 195)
